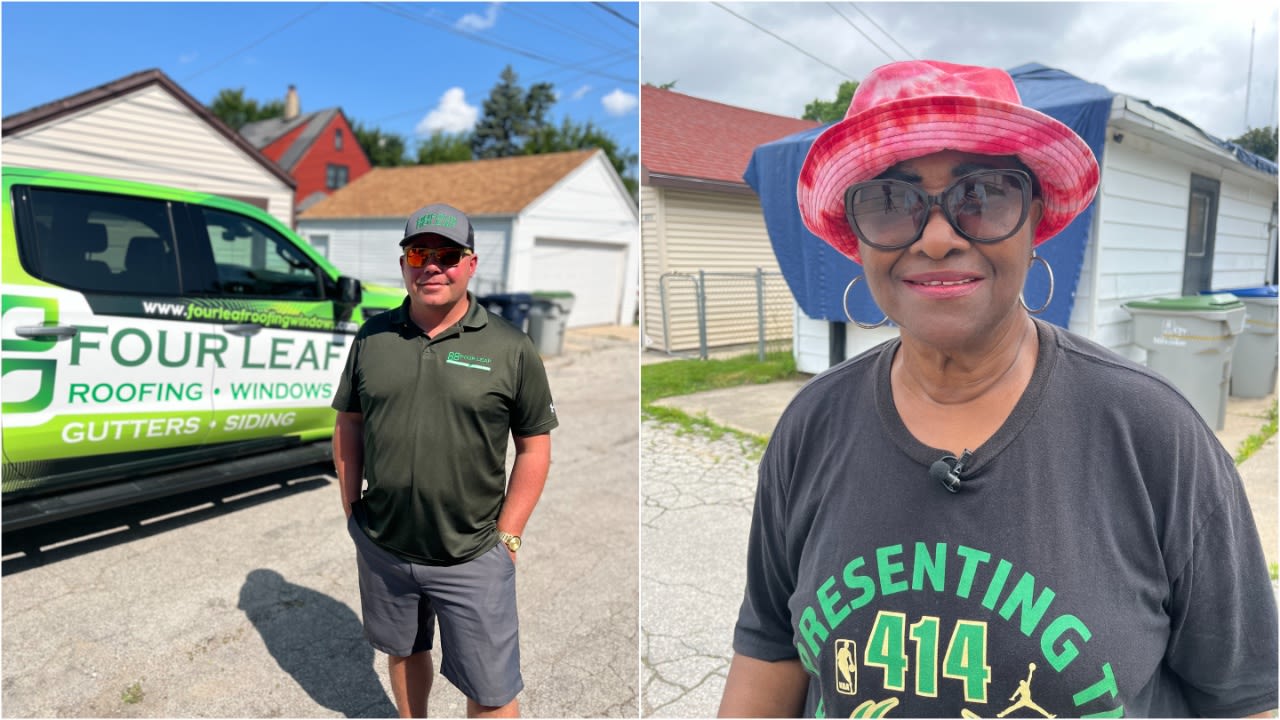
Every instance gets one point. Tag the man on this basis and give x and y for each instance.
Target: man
(430, 392)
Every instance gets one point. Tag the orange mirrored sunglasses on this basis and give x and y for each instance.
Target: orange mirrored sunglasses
(417, 257)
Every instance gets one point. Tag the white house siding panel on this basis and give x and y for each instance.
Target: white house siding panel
(652, 240)
(812, 349)
(1243, 239)
(723, 235)
(493, 237)
(149, 136)
(590, 210)
(369, 249)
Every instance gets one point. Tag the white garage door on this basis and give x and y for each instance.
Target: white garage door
(593, 272)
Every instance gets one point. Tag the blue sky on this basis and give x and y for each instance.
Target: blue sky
(406, 68)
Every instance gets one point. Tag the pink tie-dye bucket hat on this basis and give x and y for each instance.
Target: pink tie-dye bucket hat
(905, 110)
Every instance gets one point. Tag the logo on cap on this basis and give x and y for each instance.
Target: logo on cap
(437, 219)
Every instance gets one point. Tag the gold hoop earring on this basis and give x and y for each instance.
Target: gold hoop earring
(845, 304)
(1045, 306)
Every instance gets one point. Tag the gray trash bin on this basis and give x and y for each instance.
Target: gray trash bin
(548, 318)
(1190, 341)
(1253, 368)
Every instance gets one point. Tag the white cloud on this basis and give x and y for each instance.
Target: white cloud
(451, 115)
(475, 23)
(577, 94)
(188, 58)
(619, 102)
(1192, 58)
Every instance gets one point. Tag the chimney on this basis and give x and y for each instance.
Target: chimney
(291, 107)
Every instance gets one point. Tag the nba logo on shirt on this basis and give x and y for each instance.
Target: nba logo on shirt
(846, 667)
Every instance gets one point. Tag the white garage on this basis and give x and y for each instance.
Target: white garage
(553, 223)
(595, 271)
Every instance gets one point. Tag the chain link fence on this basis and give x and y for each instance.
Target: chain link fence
(725, 313)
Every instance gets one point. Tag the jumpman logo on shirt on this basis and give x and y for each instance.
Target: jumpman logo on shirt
(1022, 696)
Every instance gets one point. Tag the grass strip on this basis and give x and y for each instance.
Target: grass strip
(685, 377)
(1256, 440)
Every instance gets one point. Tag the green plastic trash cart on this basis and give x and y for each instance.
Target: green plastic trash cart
(548, 318)
(1190, 341)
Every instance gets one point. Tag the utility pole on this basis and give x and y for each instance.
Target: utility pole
(1248, 83)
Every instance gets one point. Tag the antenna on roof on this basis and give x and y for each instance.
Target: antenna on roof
(1248, 82)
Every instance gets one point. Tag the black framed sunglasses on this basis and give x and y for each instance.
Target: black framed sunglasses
(416, 257)
(986, 206)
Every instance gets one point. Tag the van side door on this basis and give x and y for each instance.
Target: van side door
(101, 365)
(287, 338)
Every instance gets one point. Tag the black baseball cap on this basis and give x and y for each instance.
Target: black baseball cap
(446, 221)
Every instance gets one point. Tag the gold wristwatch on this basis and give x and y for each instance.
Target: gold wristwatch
(511, 541)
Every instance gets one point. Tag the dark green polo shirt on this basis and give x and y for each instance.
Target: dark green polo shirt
(437, 415)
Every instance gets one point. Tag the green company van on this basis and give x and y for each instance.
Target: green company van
(154, 340)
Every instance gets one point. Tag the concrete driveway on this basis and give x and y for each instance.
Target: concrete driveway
(242, 602)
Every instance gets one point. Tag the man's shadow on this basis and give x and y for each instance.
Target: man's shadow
(318, 641)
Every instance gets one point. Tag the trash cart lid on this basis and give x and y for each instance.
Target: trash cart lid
(1261, 291)
(1216, 302)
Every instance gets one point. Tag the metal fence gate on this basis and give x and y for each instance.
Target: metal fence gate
(725, 311)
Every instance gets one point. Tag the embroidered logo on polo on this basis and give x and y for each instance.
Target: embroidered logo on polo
(475, 362)
(914, 655)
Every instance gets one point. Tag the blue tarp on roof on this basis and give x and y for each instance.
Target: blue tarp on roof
(818, 275)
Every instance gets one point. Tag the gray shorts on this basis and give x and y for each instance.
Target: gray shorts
(475, 602)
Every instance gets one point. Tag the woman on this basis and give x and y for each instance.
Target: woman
(988, 516)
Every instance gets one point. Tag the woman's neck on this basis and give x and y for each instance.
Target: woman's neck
(959, 376)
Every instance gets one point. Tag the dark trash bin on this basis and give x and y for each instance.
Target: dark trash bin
(512, 307)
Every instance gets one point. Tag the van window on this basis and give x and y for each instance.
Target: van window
(255, 261)
(100, 243)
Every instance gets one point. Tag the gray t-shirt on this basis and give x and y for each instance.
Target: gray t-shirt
(1100, 557)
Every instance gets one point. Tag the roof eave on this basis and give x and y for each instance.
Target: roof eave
(1129, 115)
(684, 182)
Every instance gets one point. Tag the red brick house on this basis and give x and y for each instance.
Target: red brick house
(318, 149)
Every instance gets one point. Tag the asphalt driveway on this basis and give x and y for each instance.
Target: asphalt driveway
(242, 602)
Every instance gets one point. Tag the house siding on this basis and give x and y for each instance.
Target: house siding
(715, 233)
(1141, 235)
(149, 136)
(591, 208)
(311, 171)
(369, 249)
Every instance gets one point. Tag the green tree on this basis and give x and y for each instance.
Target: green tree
(384, 149)
(231, 107)
(511, 115)
(831, 110)
(444, 147)
(1262, 141)
(571, 135)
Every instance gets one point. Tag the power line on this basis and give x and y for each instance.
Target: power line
(799, 49)
(617, 14)
(886, 32)
(860, 32)
(252, 45)
(574, 33)
(426, 20)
